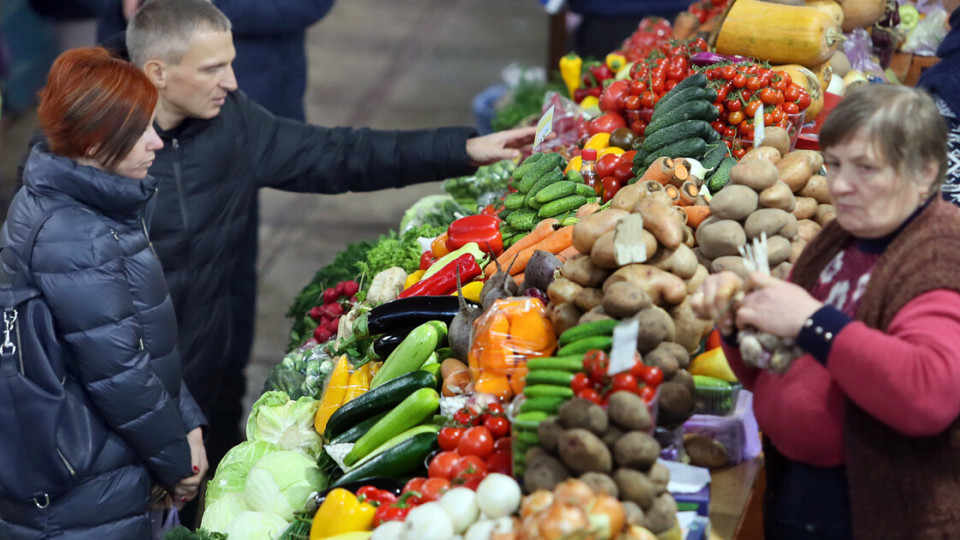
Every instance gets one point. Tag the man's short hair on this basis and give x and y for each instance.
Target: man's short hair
(162, 29)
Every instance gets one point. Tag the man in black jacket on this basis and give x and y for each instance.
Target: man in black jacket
(220, 148)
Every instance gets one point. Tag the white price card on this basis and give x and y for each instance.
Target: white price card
(758, 127)
(624, 345)
(544, 127)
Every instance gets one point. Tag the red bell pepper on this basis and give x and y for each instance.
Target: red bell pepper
(445, 281)
(426, 259)
(482, 229)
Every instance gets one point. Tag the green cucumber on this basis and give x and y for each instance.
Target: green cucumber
(527, 164)
(692, 147)
(549, 405)
(602, 327)
(697, 79)
(586, 191)
(562, 205)
(674, 99)
(545, 181)
(412, 352)
(514, 201)
(547, 390)
(529, 420)
(574, 176)
(677, 132)
(581, 346)
(525, 437)
(555, 191)
(413, 410)
(523, 219)
(700, 109)
(540, 168)
(715, 154)
(572, 363)
(721, 176)
(357, 430)
(704, 381)
(397, 462)
(549, 376)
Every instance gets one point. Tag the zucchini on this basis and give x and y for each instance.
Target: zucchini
(529, 420)
(540, 168)
(581, 346)
(721, 176)
(596, 328)
(527, 164)
(397, 462)
(549, 405)
(559, 206)
(715, 154)
(431, 367)
(573, 363)
(692, 147)
(412, 352)
(523, 219)
(354, 433)
(547, 390)
(555, 191)
(549, 376)
(552, 177)
(413, 410)
(514, 201)
(412, 432)
(699, 109)
(673, 99)
(677, 132)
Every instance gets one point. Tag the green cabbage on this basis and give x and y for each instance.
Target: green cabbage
(229, 479)
(218, 516)
(280, 482)
(246, 452)
(288, 424)
(256, 526)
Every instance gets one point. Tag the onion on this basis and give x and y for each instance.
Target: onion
(562, 521)
(607, 516)
(573, 491)
(535, 502)
(707, 58)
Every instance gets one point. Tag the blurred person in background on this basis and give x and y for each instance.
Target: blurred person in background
(604, 24)
(94, 264)
(861, 434)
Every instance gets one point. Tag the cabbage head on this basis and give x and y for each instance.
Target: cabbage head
(256, 526)
(229, 479)
(218, 516)
(247, 452)
(280, 482)
(288, 424)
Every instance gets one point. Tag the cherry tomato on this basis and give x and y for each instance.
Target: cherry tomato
(739, 80)
(745, 95)
(804, 101)
(624, 381)
(498, 426)
(476, 441)
(670, 84)
(754, 84)
(589, 394)
(443, 464)
(449, 437)
(766, 77)
(745, 128)
(639, 370)
(735, 117)
(495, 408)
(785, 77)
(647, 393)
(433, 488)
(647, 99)
(653, 376)
(580, 381)
(632, 102)
(737, 153)
(718, 126)
(463, 417)
(733, 105)
(768, 119)
(611, 185)
(721, 109)
(791, 108)
(637, 87)
(779, 85)
(777, 115)
(595, 363)
(658, 85)
(500, 462)
(728, 72)
(469, 467)
(792, 93)
(729, 132)
(751, 108)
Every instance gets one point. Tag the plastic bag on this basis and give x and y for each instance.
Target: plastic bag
(163, 521)
(926, 36)
(508, 333)
(567, 119)
(859, 50)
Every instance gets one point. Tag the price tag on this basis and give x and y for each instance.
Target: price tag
(544, 127)
(624, 345)
(758, 127)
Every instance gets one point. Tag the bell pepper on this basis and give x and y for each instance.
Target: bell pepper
(570, 66)
(471, 291)
(439, 264)
(439, 246)
(333, 394)
(482, 229)
(426, 259)
(445, 281)
(413, 278)
(358, 383)
(341, 512)
(615, 61)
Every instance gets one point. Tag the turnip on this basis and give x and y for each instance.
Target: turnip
(460, 331)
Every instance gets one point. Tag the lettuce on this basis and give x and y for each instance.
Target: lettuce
(277, 419)
(255, 526)
(280, 482)
(218, 516)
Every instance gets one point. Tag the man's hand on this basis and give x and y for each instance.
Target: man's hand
(499, 146)
(187, 489)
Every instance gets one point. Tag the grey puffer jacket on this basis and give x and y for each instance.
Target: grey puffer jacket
(105, 287)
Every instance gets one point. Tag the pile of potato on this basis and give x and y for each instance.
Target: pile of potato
(784, 197)
(610, 450)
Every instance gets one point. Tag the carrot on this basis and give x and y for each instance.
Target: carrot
(660, 170)
(555, 243)
(688, 193)
(587, 209)
(567, 253)
(680, 172)
(673, 193)
(685, 25)
(541, 231)
(696, 214)
(518, 279)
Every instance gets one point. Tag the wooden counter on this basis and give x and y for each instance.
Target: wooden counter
(735, 501)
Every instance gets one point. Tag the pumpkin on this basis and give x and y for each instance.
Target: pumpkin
(779, 34)
(811, 82)
(829, 7)
(861, 13)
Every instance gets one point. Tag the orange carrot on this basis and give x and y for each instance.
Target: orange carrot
(688, 193)
(680, 173)
(518, 279)
(541, 231)
(672, 192)
(555, 243)
(567, 253)
(660, 170)
(696, 214)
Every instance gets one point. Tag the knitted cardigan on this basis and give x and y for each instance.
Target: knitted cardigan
(899, 485)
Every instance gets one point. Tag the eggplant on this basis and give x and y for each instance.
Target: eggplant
(407, 312)
(707, 58)
(385, 344)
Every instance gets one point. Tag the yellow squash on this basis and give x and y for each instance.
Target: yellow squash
(861, 13)
(829, 7)
(814, 81)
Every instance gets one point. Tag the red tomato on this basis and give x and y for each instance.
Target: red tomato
(785, 77)
(590, 395)
(768, 96)
(804, 101)
(623, 171)
(612, 94)
(624, 381)
(739, 80)
(735, 118)
(611, 186)
(606, 123)
(638, 370)
(738, 152)
(449, 437)
(469, 467)
(498, 426)
(595, 363)
(777, 115)
(718, 126)
(754, 83)
(433, 488)
(647, 393)
(791, 108)
(502, 445)
(729, 132)
(733, 105)
(606, 164)
(653, 376)
(658, 85)
(647, 99)
(500, 462)
(670, 84)
(792, 93)
(728, 72)
(495, 409)
(580, 381)
(476, 441)
(443, 464)
(628, 156)
(632, 103)
(463, 417)
(751, 108)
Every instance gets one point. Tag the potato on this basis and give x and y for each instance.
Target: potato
(679, 352)
(782, 270)
(635, 487)
(796, 248)
(562, 291)
(700, 258)
(656, 326)
(685, 379)
(816, 187)
(825, 212)
(533, 454)
(771, 221)
(662, 220)
(778, 196)
(626, 197)
(757, 174)
(688, 239)
(595, 314)
(633, 512)
(778, 250)
(662, 359)
(624, 299)
(840, 63)
(600, 483)
(582, 451)
(776, 137)
(734, 202)
(549, 432)
(588, 229)
(636, 450)
(704, 451)
(662, 514)
(662, 287)
(723, 237)
(588, 298)
(659, 474)
(733, 263)
(699, 276)
(628, 411)
(563, 317)
(581, 413)
(680, 262)
(676, 404)
(762, 153)
(581, 270)
(806, 208)
(545, 473)
(689, 329)
(796, 168)
(603, 252)
(807, 229)
(611, 435)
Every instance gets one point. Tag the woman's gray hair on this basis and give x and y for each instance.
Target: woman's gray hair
(904, 124)
(162, 29)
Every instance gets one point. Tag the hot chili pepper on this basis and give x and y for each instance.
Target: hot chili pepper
(570, 66)
(445, 281)
(482, 229)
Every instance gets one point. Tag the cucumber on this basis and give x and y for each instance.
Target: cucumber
(547, 390)
(715, 154)
(546, 404)
(700, 109)
(527, 437)
(412, 352)
(596, 328)
(677, 132)
(573, 363)
(704, 381)
(574, 176)
(581, 346)
(540, 168)
(396, 462)
(585, 190)
(673, 99)
(529, 420)
(692, 147)
(721, 176)
(354, 433)
(559, 206)
(697, 79)
(413, 410)
(549, 376)
(514, 201)
(552, 177)
(523, 219)
(527, 164)
(555, 191)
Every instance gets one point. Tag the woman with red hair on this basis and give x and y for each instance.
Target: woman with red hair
(95, 266)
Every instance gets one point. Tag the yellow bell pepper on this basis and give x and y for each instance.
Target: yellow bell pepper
(341, 512)
(333, 394)
(615, 61)
(413, 278)
(570, 68)
(358, 383)
(712, 363)
(471, 291)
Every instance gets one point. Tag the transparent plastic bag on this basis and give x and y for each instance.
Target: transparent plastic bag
(926, 36)
(567, 119)
(859, 50)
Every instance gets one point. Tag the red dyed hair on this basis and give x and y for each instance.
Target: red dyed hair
(96, 101)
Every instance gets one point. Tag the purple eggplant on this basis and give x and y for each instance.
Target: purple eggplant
(707, 58)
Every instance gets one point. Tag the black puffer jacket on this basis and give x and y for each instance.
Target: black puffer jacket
(208, 173)
(106, 290)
